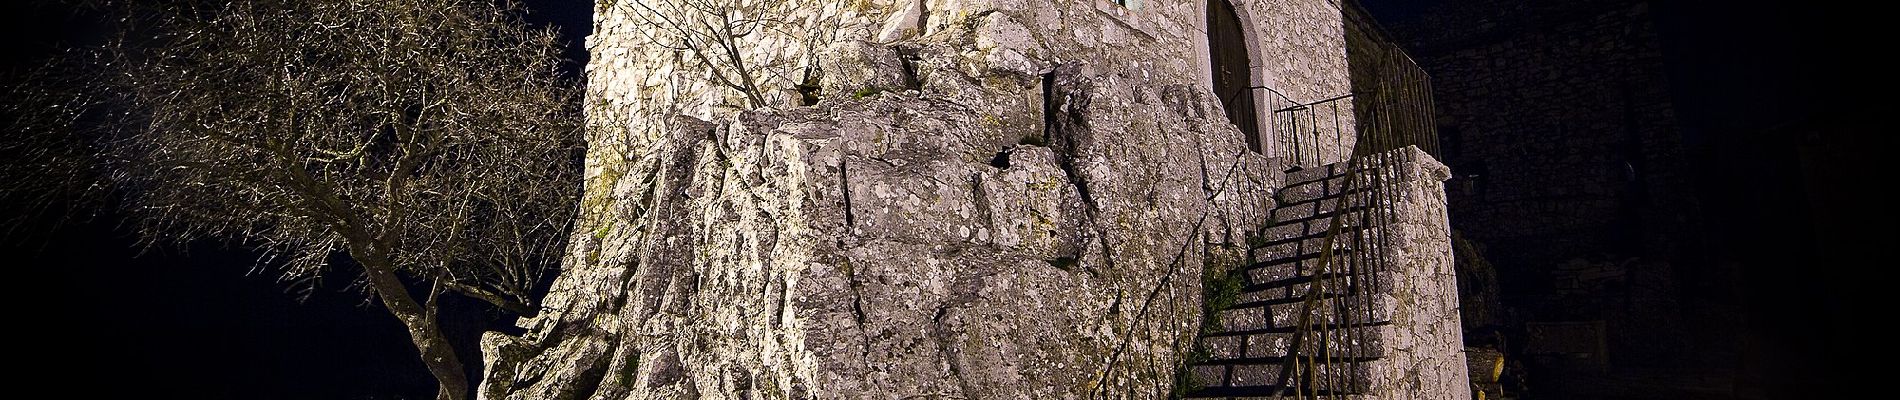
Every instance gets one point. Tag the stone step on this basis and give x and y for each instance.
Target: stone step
(1333, 310)
(1257, 394)
(1236, 329)
(1311, 174)
(1211, 396)
(1320, 211)
(1282, 267)
(1262, 287)
(1343, 376)
(1287, 254)
(1265, 279)
(1279, 233)
(1271, 298)
(1330, 189)
(1313, 230)
(1362, 344)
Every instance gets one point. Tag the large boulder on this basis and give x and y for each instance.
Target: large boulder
(967, 235)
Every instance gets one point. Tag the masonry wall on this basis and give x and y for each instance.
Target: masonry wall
(1561, 133)
(1301, 59)
(1556, 121)
(1425, 340)
(1392, 95)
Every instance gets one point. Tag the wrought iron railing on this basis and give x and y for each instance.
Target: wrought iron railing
(1339, 309)
(1394, 103)
(1357, 136)
(1396, 113)
(1316, 133)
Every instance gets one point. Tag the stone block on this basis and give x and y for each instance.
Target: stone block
(1266, 345)
(1293, 212)
(1210, 375)
(1243, 319)
(1222, 347)
(1302, 193)
(858, 69)
(1256, 374)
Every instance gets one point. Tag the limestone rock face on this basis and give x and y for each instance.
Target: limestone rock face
(963, 215)
(857, 69)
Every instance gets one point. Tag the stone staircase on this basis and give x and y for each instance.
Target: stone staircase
(1330, 308)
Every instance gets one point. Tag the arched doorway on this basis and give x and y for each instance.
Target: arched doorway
(1231, 69)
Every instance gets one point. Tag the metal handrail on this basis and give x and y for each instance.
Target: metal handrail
(1298, 106)
(1249, 89)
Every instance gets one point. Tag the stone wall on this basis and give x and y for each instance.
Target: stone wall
(989, 199)
(1391, 95)
(1301, 58)
(1303, 47)
(1558, 123)
(1425, 340)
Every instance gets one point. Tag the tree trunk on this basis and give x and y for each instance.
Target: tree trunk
(452, 383)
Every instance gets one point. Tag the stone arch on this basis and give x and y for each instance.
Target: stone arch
(1259, 138)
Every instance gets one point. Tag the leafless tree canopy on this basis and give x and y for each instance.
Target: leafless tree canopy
(432, 142)
(431, 131)
(721, 36)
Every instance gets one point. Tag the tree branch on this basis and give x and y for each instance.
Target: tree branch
(496, 299)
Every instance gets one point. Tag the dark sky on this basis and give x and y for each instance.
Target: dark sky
(196, 323)
(35, 28)
(575, 19)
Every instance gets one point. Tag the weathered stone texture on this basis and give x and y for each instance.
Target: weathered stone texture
(1303, 46)
(925, 230)
(1425, 343)
(1301, 59)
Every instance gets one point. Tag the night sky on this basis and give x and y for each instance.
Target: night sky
(194, 323)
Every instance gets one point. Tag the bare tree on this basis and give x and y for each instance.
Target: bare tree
(724, 37)
(433, 144)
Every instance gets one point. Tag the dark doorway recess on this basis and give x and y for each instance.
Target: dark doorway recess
(1227, 55)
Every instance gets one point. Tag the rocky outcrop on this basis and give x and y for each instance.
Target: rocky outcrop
(926, 199)
(975, 223)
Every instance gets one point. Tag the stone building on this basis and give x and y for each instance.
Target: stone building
(1570, 161)
(997, 199)
(1575, 173)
